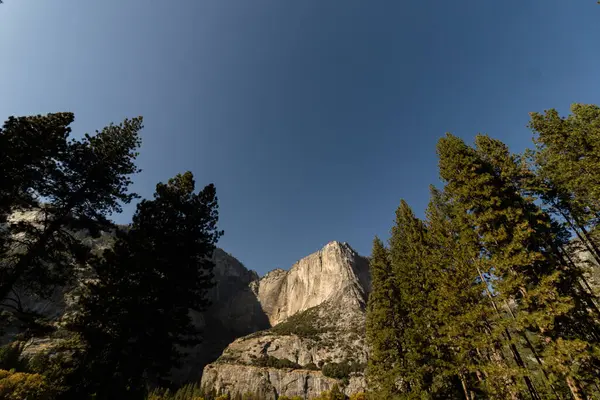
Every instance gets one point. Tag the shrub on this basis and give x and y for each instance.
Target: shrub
(274, 362)
(359, 396)
(10, 357)
(58, 363)
(311, 366)
(334, 394)
(20, 385)
(342, 370)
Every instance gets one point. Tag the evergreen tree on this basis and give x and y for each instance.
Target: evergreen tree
(567, 160)
(458, 313)
(474, 187)
(413, 279)
(135, 317)
(580, 323)
(524, 277)
(28, 148)
(80, 182)
(381, 325)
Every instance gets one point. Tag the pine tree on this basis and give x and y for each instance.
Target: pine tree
(381, 328)
(580, 323)
(413, 279)
(524, 276)
(135, 317)
(458, 312)
(28, 147)
(73, 185)
(473, 185)
(567, 160)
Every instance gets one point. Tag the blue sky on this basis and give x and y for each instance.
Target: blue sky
(313, 118)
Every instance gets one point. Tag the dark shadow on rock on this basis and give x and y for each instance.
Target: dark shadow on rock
(235, 312)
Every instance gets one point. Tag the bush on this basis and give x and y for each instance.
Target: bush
(274, 362)
(342, 370)
(311, 366)
(20, 385)
(359, 396)
(334, 394)
(58, 363)
(10, 357)
(290, 398)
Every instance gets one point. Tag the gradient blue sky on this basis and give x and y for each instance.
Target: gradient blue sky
(313, 118)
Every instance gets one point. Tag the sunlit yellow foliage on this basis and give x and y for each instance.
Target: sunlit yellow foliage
(19, 386)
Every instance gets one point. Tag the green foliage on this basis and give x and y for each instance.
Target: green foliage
(304, 324)
(383, 321)
(10, 357)
(58, 363)
(481, 300)
(274, 362)
(311, 366)
(342, 370)
(334, 394)
(359, 396)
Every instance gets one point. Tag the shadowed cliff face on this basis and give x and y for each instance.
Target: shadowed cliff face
(235, 312)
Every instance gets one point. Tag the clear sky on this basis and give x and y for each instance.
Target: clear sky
(312, 117)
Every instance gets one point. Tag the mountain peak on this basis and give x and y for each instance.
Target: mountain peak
(313, 280)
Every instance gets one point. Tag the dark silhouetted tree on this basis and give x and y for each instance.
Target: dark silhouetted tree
(135, 316)
(66, 186)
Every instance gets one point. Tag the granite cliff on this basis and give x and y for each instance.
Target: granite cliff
(317, 312)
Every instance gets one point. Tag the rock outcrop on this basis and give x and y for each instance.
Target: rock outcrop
(312, 281)
(268, 383)
(317, 309)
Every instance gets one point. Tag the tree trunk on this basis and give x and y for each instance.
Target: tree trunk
(465, 389)
(575, 389)
(533, 351)
(515, 352)
(592, 248)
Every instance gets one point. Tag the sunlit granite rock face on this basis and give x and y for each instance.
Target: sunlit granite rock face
(317, 309)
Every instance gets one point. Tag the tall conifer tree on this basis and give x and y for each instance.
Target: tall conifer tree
(135, 317)
(567, 160)
(385, 350)
(527, 277)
